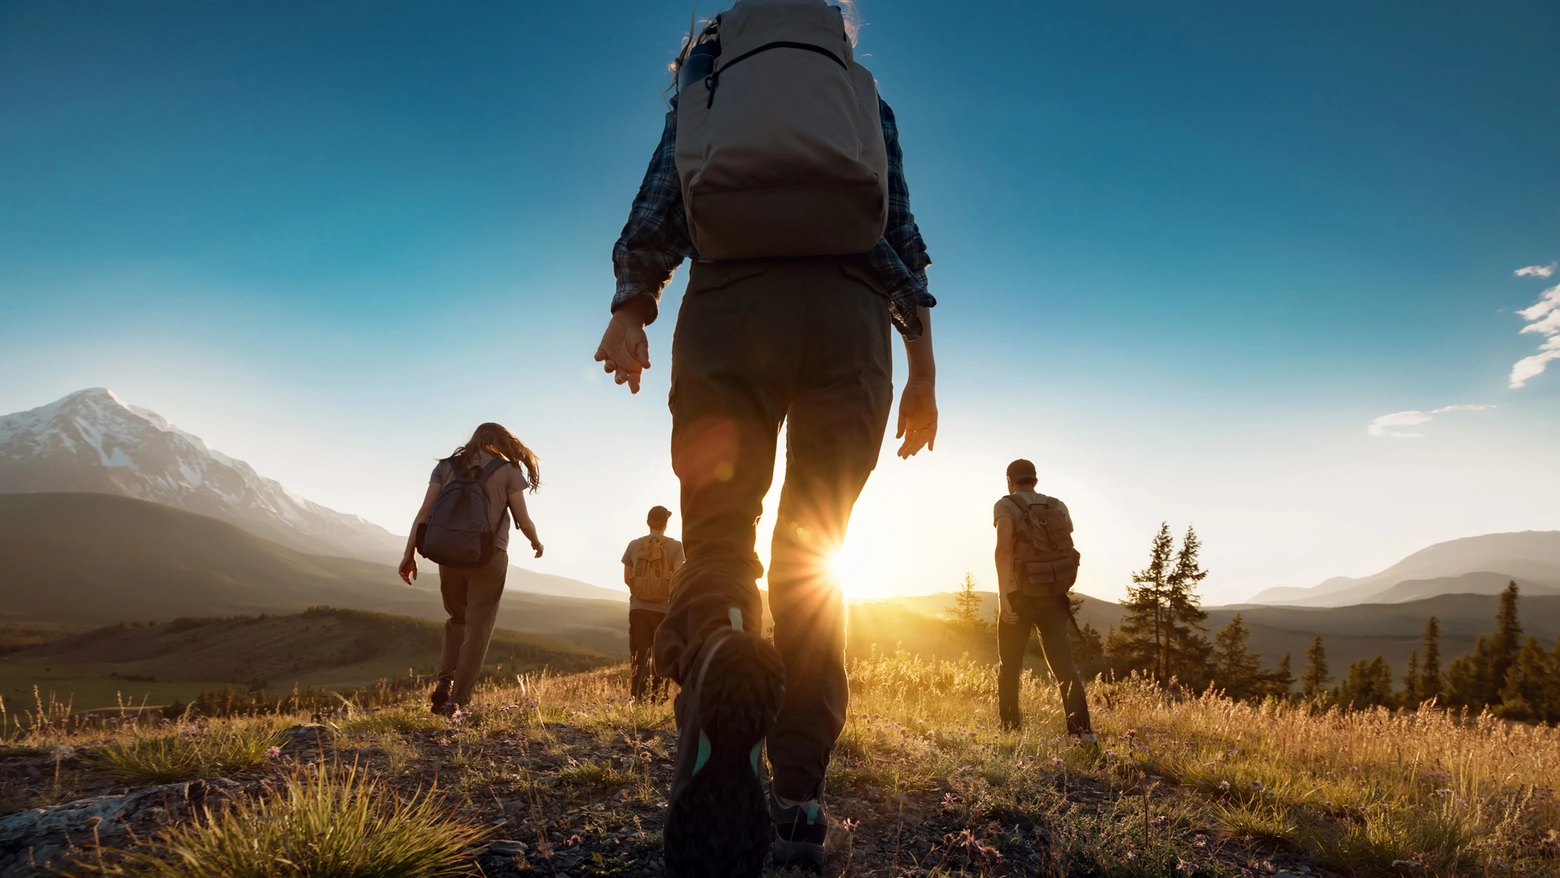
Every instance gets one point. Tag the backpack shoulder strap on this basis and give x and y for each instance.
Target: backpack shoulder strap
(492, 467)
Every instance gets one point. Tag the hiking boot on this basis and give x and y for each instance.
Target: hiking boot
(717, 824)
(441, 695)
(800, 831)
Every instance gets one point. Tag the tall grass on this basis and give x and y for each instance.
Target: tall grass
(192, 752)
(330, 823)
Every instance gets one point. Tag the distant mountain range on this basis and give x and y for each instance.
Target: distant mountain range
(97, 559)
(91, 441)
(1471, 565)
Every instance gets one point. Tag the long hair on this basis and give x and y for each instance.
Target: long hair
(491, 437)
(702, 31)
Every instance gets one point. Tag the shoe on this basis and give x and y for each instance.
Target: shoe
(800, 831)
(441, 695)
(717, 825)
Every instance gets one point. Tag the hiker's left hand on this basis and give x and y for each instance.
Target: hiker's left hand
(408, 569)
(538, 547)
(918, 416)
(624, 352)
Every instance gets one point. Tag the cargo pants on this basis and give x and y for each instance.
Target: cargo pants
(758, 343)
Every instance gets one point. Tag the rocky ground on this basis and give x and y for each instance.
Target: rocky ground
(558, 799)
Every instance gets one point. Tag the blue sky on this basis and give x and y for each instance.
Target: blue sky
(1185, 255)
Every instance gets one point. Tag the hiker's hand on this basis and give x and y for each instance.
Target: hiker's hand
(918, 416)
(408, 569)
(1008, 616)
(624, 351)
(538, 547)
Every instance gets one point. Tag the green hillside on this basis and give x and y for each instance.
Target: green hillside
(322, 647)
(94, 559)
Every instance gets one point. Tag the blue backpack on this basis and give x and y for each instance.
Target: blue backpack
(458, 532)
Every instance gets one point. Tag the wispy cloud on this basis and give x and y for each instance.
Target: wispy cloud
(1537, 270)
(1543, 318)
(1391, 426)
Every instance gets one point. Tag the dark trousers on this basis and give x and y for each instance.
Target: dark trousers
(804, 342)
(471, 600)
(641, 639)
(1053, 618)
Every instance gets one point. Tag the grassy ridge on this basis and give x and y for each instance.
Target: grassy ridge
(323, 647)
(574, 776)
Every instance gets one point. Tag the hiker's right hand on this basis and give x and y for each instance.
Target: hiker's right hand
(1008, 616)
(624, 351)
(408, 569)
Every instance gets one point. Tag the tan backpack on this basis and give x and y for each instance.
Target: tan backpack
(652, 579)
(1045, 564)
(780, 148)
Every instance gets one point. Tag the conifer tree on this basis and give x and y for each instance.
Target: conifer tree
(1314, 680)
(1279, 682)
(1235, 669)
(1189, 649)
(1162, 633)
(1411, 697)
(1505, 643)
(1466, 677)
(1526, 694)
(1429, 685)
(966, 605)
(1369, 684)
(1138, 642)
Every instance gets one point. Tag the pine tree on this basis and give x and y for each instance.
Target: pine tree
(1138, 643)
(1278, 683)
(1504, 644)
(1235, 669)
(1466, 678)
(1369, 684)
(966, 605)
(1314, 680)
(1429, 685)
(1189, 651)
(1411, 697)
(1525, 696)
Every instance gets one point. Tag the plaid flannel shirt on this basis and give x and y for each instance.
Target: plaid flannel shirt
(655, 240)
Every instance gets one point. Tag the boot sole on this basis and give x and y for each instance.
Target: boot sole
(718, 825)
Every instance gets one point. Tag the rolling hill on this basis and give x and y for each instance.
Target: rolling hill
(1532, 557)
(1349, 633)
(97, 559)
(321, 647)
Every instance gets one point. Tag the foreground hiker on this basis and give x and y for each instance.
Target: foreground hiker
(648, 565)
(779, 174)
(1036, 567)
(463, 526)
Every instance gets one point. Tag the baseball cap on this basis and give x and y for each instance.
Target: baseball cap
(1022, 470)
(659, 513)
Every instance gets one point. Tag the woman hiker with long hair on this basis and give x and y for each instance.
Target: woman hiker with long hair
(464, 526)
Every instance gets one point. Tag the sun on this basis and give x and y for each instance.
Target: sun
(852, 566)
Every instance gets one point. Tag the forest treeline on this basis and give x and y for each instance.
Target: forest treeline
(1164, 637)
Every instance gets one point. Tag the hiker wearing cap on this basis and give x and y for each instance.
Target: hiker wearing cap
(463, 526)
(648, 565)
(1036, 567)
(779, 174)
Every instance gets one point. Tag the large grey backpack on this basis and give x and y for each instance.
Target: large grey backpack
(1045, 564)
(458, 532)
(780, 147)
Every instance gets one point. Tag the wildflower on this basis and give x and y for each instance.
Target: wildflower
(1200, 840)
(948, 799)
(1224, 786)
(1058, 761)
(574, 841)
(273, 752)
(1184, 867)
(849, 825)
(444, 742)
(1256, 785)
(458, 715)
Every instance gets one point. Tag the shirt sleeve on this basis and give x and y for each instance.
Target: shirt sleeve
(1003, 509)
(655, 239)
(517, 480)
(630, 552)
(676, 553)
(438, 476)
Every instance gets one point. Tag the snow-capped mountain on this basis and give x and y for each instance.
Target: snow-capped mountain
(91, 441)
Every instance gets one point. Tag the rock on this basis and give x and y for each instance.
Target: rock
(507, 847)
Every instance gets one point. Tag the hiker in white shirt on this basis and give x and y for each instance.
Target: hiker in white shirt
(648, 565)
